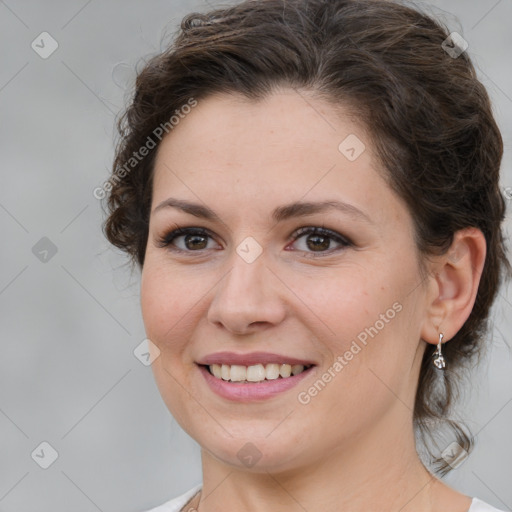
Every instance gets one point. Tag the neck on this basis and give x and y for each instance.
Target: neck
(380, 472)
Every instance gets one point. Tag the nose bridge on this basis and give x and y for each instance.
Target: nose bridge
(248, 265)
(246, 294)
(246, 280)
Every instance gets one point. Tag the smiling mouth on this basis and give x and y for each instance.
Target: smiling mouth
(255, 373)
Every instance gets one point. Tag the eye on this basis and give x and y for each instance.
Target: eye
(194, 239)
(319, 239)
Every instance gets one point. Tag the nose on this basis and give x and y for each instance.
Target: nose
(247, 298)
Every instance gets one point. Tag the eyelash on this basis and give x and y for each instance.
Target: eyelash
(167, 239)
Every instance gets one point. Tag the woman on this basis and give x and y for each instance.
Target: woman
(311, 190)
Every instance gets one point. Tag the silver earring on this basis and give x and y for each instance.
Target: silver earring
(438, 356)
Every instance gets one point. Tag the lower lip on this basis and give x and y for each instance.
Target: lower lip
(252, 391)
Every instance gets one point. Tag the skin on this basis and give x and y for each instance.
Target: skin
(352, 446)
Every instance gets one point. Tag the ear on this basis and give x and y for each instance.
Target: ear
(453, 284)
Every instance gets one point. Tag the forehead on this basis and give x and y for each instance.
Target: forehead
(290, 145)
(285, 125)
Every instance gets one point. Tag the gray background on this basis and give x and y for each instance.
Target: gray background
(70, 324)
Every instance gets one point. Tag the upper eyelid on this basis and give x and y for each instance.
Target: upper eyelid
(305, 230)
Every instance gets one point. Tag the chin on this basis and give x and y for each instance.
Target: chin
(255, 454)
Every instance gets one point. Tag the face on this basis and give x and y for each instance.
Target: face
(253, 281)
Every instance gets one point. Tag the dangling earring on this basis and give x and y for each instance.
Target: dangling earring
(438, 356)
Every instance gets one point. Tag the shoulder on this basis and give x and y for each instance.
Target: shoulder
(176, 504)
(478, 505)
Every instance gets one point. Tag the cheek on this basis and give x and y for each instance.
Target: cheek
(345, 301)
(370, 319)
(164, 303)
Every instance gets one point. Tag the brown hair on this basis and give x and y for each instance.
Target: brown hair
(429, 117)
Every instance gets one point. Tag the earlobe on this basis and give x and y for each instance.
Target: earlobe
(454, 284)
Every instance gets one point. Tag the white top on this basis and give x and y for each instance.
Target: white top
(176, 504)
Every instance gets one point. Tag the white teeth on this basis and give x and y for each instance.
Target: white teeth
(272, 371)
(285, 370)
(297, 368)
(256, 372)
(237, 373)
(225, 371)
(216, 370)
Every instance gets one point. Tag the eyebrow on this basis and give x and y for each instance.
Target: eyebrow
(281, 213)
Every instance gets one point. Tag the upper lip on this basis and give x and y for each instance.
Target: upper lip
(251, 358)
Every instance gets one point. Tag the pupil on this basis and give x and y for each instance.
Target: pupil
(194, 239)
(324, 245)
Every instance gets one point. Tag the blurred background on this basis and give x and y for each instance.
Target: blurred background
(82, 424)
